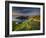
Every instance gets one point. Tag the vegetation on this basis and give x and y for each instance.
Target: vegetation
(32, 23)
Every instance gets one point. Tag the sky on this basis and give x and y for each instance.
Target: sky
(25, 11)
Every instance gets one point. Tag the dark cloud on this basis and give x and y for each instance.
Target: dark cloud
(25, 9)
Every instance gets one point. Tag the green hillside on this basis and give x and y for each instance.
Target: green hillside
(32, 23)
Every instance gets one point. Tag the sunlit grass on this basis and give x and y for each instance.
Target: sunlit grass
(32, 23)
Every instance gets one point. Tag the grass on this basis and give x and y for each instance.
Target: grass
(33, 23)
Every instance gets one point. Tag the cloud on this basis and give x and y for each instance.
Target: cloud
(26, 11)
